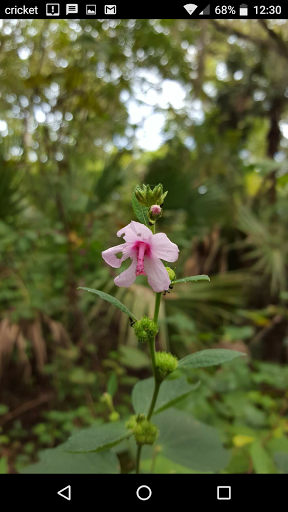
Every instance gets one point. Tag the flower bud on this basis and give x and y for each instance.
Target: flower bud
(158, 194)
(107, 399)
(140, 196)
(171, 273)
(145, 432)
(145, 329)
(148, 197)
(114, 416)
(155, 212)
(132, 422)
(166, 363)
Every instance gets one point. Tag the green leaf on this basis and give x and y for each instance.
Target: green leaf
(97, 438)
(3, 466)
(164, 466)
(209, 357)
(134, 358)
(188, 442)
(112, 385)
(140, 211)
(202, 277)
(56, 461)
(278, 444)
(262, 462)
(171, 392)
(110, 299)
(281, 460)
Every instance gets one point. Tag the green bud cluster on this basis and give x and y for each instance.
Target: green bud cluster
(166, 363)
(145, 432)
(132, 422)
(145, 329)
(171, 273)
(148, 197)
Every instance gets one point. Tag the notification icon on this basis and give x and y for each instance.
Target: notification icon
(52, 9)
(91, 9)
(71, 8)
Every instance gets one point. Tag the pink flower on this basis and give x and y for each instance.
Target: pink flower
(145, 250)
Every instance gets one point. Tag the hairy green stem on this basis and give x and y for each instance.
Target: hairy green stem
(154, 398)
(157, 383)
(157, 306)
(153, 357)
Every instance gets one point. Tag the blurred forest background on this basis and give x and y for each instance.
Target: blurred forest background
(89, 109)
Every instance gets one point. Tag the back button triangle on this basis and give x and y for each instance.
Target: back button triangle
(65, 492)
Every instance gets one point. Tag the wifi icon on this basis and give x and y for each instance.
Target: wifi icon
(190, 8)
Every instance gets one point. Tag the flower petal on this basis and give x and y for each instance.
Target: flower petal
(110, 255)
(135, 231)
(157, 274)
(163, 248)
(128, 276)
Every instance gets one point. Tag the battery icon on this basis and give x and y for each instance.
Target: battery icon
(243, 10)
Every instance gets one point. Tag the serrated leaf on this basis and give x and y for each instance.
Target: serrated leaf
(112, 300)
(209, 357)
(97, 438)
(171, 392)
(201, 277)
(140, 211)
(189, 442)
(56, 461)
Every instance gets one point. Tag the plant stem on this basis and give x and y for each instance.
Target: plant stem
(153, 356)
(157, 306)
(157, 383)
(154, 398)
(138, 458)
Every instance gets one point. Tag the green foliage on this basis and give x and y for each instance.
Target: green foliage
(281, 460)
(96, 438)
(112, 384)
(58, 462)
(191, 278)
(171, 392)
(134, 358)
(3, 466)
(209, 358)
(112, 300)
(189, 442)
(141, 212)
(262, 462)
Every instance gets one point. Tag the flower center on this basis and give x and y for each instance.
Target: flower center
(141, 248)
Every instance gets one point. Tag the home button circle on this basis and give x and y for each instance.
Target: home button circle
(144, 492)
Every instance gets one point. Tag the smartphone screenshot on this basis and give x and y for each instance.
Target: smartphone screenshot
(143, 253)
